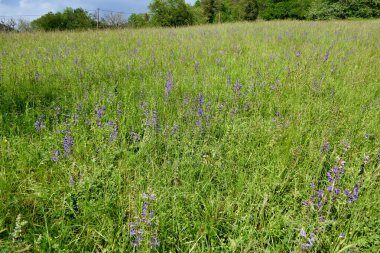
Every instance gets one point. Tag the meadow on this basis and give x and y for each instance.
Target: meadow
(246, 137)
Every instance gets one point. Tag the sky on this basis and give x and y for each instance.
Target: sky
(22, 8)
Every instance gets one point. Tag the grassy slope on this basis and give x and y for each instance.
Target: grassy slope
(233, 184)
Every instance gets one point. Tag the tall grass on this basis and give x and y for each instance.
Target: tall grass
(202, 139)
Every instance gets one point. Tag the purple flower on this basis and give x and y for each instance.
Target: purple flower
(201, 101)
(39, 124)
(155, 125)
(100, 111)
(302, 233)
(327, 55)
(169, 85)
(229, 79)
(68, 144)
(154, 242)
(55, 156)
(325, 148)
(237, 88)
(337, 191)
(306, 246)
(342, 236)
(331, 179)
(174, 130)
(135, 137)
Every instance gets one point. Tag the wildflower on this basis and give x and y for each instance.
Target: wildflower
(237, 88)
(100, 111)
(174, 130)
(39, 124)
(229, 79)
(68, 144)
(55, 156)
(325, 148)
(306, 246)
(200, 109)
(17, 231)
(135, 137)
(327, 55)
(298, 53)
(169, 85)
(154, 242)
(155, 125)
(342, 236)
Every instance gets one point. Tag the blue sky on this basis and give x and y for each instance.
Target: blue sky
(16, 8)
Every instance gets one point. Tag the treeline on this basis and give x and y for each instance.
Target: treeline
(179, 13)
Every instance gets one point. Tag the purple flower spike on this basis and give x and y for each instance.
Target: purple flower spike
(237, 88)
(39, 124)
(302, 233)
(327, 55)
(169, 85)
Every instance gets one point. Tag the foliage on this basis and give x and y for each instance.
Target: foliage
(342, 9)
(171, 13)
(285, 9)
(138, 20)
(69, 19)
(230, 10)
(251, 10)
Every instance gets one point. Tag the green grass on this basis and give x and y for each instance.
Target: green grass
(229, 175)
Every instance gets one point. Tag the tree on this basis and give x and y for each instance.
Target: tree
(76, 19)
(68, 20)
(284, 9)
(138, 20)
(210, 8)
(171, 13)
(24, 25)
(114, 20)
(342, 9)
(251, 10)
